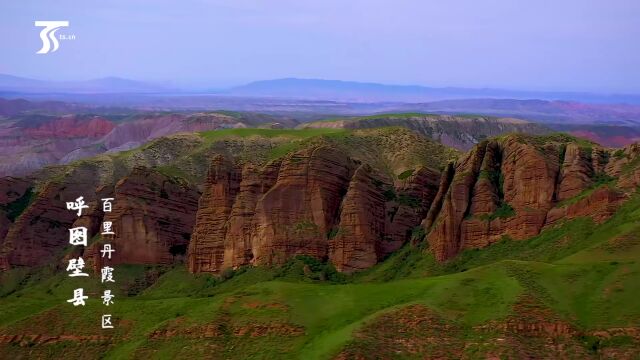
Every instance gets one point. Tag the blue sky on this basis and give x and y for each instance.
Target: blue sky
(587, 45)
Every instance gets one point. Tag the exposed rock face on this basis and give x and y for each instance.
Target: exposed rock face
(206, 249)
(255, 183)
(320, 202)
(31, 143)
(514, 187)
(410, 205)
(316, 202)
(530, 173)
(152, 217)
(577, 171)
(362, 223)
(42, 230)
(296, 215)
(70, 126)
(599, 205)
(445, 235)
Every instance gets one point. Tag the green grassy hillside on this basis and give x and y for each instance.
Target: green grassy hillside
(579, 274)
(459, 131)
(391, 149)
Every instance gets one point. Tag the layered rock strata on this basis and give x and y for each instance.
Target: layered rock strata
(152, 216)
(316, 202)
(515, 186)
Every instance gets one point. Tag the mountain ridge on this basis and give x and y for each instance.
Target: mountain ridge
(368, 91)
(319, 89)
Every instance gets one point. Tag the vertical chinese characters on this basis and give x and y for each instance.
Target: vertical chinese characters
(77, 237)
(106, 272)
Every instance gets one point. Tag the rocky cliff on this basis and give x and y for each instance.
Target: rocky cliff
(515, 186)
(42, 228)
(317, 201)
(257, 206)
(152, 217)
(349, 198)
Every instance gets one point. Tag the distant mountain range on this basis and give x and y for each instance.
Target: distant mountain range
(310, 89)
(107, 85)
(308, 100)
(371, 92)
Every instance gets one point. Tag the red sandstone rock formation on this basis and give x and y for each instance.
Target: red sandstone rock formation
(577, 171)
(321, 203)
(237, 242)
(445, 233)
(206, 249)
(42, 230)
(353, 243)
(152, 217)
(599, 205)
(514, 187)
(296, 215)
(405, 212)
(316, 202)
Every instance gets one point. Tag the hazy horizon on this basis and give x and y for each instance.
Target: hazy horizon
(525, 45)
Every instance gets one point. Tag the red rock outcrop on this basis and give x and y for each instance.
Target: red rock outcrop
(320, 202)
(438, 201)
(577, 171)
(599, 205)
(71, 126)
(530, 173)
(296, 215)
(316, 202)
(12, 189)
(42, 230)
(406, 210)
(255, 183)
(445, 235)
(513, 187)
(153, 216)
(206, 249)
(353, 243)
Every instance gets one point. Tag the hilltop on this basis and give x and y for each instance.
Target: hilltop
(461, 132)
(32, 140)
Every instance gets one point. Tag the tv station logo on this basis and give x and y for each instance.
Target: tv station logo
(48, 36)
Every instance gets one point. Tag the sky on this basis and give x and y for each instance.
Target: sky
(570, 45)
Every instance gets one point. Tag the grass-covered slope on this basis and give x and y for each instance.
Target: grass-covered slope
(459, 131)
(576, 286)
(188, 155)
